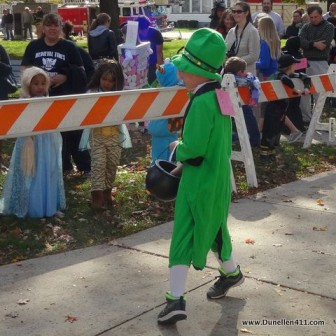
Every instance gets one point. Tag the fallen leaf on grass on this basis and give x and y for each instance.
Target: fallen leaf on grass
(320, 202)
(138, 212)
(249, 241)
(71, 319)
(114, 191)
(59, 214)
(57, 231)
(59, 221)
(16, 232)
(320, 228)
(66, 238)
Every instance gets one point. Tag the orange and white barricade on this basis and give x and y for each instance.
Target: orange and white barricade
(315, 124)
(32, 116)
(274, 90)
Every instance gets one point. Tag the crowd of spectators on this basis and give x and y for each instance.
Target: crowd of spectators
(254, 38)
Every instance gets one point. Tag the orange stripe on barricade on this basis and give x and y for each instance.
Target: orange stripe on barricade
(289, 91)
(141, 105)
(177, 103)
(8, 115)
(325, 80)
(54, 115)
(269, 91)
(245, 94)
(312, 89)
(100, 110)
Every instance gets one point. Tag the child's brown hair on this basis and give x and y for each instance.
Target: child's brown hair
(234, 65)
(108, 67)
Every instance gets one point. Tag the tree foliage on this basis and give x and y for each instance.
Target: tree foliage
(111, 8)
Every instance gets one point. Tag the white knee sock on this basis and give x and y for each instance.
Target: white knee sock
(178, 278)
(228, 266)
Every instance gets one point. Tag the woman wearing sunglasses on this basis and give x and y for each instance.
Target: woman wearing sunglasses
(243, 39)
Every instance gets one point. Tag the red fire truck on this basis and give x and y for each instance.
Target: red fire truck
(81, 12)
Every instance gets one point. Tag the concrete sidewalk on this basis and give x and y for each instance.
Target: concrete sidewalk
(118, 289)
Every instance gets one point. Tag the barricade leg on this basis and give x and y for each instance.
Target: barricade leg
(233, 182)
(332, 125)
(314, 122)
(245, 155)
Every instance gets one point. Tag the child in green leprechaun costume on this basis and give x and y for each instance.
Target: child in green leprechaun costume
(204, 193)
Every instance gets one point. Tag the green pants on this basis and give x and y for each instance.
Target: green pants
(194, 236)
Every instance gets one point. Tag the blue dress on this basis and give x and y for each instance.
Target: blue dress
(41, 194)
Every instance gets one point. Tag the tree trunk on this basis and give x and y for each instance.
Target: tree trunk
(111, 8)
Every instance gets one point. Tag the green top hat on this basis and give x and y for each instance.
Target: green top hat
(203, 55)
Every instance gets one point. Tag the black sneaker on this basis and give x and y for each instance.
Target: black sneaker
(174, 310)
(223, 284)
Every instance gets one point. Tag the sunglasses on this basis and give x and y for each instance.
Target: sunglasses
(238, 11)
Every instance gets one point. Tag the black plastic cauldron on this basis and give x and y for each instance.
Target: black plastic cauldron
(160, 182)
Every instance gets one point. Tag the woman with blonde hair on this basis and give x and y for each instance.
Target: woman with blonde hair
(270, 49)
(267, 65)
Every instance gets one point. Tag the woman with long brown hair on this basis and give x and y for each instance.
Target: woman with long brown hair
(226, 22)
(243, 40)
(102, 41)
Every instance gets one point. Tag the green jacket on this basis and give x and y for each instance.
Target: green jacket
(205, 188)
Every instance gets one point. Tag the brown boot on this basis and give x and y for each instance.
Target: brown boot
(97, 200)
(108, 198)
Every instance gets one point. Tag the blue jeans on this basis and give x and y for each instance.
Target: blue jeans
(252, 126)
(9, 31)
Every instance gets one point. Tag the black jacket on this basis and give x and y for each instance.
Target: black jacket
(103, 46)
(292, 30)
(5, 70)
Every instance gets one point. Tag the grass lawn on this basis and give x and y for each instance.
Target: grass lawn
(15, 49)
(134, 209)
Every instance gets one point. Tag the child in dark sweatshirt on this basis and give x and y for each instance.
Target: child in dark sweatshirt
(275, 111)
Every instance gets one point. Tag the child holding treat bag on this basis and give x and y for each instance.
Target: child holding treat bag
(204, 192)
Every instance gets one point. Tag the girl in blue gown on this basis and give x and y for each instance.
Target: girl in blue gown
(34, 184)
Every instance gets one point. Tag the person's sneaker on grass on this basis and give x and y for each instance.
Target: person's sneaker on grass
(174, 311)
(224, 283)
(293, 137)
(266, 154)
